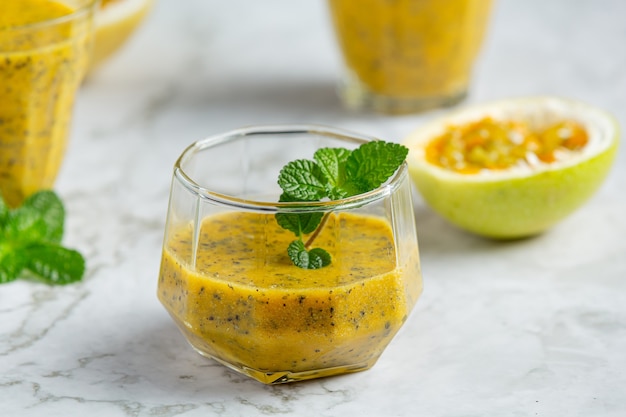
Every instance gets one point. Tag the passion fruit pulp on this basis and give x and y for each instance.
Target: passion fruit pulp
(512, 168)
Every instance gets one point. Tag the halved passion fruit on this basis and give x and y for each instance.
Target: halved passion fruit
(115, 22)
(512, 168)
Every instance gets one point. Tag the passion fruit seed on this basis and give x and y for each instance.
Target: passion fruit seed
(488, 144)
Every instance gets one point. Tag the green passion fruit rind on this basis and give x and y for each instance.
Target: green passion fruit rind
(522, 200)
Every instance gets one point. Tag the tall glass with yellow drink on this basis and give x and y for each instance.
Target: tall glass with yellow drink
(44, 51)
(405, 56)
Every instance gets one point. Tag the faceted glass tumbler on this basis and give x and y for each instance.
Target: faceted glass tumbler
(228, 282)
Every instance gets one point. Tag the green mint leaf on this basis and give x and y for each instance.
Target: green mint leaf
(349, 189)
(372, 163)
(51, 211)
(298, 223)
(39, 219)
(332, 163)
(336, 173)
(294, 250)
(289, 221)
(30, 237)
(310, 221)
(319, 258)
(314, 259)
(303, 180)
(25, 224)
(12, 262)
(54, 263)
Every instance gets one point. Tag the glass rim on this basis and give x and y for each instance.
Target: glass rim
(268, 206)
(86, 6)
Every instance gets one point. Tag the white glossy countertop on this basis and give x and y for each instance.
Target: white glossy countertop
(529, 328)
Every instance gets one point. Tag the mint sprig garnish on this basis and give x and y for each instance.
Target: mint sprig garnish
(30, 239)
(333, 174)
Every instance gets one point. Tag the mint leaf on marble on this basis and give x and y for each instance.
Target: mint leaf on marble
(55, 264)
(335, 173)
(39, 218)
(11, 264)
(50, 210)
(30, 237)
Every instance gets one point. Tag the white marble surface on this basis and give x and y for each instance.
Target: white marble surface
(530, 328)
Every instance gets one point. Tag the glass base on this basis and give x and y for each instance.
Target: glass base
(283, 377)
(356, 96)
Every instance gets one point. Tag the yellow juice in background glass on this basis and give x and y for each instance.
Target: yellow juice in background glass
(44, 51)
(408, 55)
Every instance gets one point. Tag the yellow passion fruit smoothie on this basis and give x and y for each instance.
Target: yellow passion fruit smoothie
(405, 50)
(42, 62)
(263, 314)
(512, 169)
